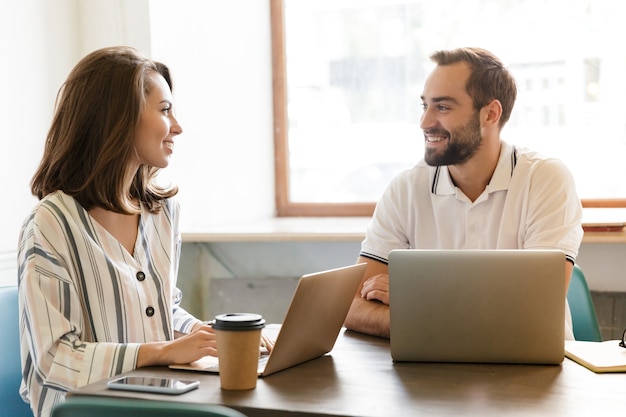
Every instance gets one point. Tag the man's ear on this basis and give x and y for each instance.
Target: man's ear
(491, 113)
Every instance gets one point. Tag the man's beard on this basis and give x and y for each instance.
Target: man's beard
(462, 144)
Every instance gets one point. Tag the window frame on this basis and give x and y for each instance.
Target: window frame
(284, 206)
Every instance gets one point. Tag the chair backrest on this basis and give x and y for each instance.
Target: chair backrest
(584, 319)
(11, 404)
(128, 407)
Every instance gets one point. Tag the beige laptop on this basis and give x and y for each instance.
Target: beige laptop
(312, 323)
(485, 306)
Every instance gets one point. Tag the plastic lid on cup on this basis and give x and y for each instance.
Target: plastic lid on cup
(238, 321)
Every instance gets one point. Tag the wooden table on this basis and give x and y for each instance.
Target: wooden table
(358, 378)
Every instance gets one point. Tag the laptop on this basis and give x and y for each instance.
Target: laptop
(481, 306)
(311, 325)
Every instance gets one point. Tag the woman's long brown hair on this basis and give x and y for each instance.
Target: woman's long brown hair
(90, 145)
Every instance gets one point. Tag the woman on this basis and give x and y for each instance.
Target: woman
(98, 256)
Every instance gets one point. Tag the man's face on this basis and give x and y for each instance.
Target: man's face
(451, 126)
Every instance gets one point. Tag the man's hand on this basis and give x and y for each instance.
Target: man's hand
(376, 288)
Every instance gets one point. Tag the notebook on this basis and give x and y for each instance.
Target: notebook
(311, 325)
(607, 356)
(484, 306)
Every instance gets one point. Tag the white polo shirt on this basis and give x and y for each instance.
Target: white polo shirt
(530, 203)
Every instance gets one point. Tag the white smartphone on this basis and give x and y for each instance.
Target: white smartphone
(151, 384)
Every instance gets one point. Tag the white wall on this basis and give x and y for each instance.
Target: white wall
(38, 42)
(103, 23)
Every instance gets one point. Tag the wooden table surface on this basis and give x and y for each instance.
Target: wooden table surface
(358, 378)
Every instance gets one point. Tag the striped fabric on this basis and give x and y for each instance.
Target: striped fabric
(86, 303)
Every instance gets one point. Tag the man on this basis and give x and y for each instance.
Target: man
(472, 190)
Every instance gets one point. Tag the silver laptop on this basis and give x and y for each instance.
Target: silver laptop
(485, 306)
(312, 323)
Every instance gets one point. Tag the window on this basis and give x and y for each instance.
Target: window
(348, 76)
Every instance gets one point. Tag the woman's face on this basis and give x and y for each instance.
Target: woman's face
(154, 137)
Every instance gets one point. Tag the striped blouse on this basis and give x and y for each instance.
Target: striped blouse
(86, 303)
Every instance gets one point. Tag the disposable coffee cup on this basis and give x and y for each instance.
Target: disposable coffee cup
(238, 338)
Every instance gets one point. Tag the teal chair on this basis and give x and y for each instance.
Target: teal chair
(584, 319)
(11, 404)
(129, 407)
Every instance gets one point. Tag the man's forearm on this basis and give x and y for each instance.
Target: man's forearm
(370, 317)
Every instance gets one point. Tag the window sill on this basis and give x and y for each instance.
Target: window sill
(602, 225)
(284, 229)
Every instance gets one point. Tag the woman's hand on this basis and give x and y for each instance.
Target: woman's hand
(184, 348)
(267, 343)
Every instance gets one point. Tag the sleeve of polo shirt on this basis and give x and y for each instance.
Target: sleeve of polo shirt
(554, 211)
(386, 230)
